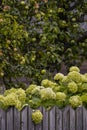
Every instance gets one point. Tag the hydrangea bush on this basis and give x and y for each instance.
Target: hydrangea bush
(70, 89)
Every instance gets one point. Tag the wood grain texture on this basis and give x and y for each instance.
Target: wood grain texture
(24, 119)
(84, 118)
(31, 125)
(52, 119)
(9, 119)
(45, 119)
(79, 118)
(66, 118)
(58, 118)
(16, 119)
(2, 120)
(72, 119)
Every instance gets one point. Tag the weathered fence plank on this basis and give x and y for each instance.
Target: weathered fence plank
(58, 119)
(2, 119)
(30, 123)
(72, 119)
(79, 122)
(24, 119)
(9, 120)
(16, 119)
(66, 118)
(52, 119)
(45, 119)
(84, 119)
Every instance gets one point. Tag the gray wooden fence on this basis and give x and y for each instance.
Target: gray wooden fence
(55, 119)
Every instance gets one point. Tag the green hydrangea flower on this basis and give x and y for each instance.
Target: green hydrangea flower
(84, 78)
(85, 75)
(30, 89)
(74, 76)
(36, 91)
(65, 80)
(75, 101)
(37, 116)
(21, 95)
(18, 105)
(84, 97)
(10, 100)
(60, 96)
(47, 94)
(72, 86)
(15, 97)
(84, 87)
(74, 68)
(47, 83)
(58, 76)
(9, 91)
(57, 88)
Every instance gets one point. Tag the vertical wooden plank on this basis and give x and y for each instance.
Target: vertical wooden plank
(24, 119)
(39, 126)
(16, 119)
(30, 123)
(45, 119)
(9, 119)
(79, 118)
(2, 119)
(58, 118)
(52, 119)
(72, 119)
(66, 118)
(84, 118)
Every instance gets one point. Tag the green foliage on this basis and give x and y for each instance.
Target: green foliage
(38, 36)
(13, 39)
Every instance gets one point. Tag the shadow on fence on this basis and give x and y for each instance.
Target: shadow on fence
(55, 119)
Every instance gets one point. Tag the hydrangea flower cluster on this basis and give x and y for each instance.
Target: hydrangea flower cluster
(60, 96)
(72, 86)
(58, 76)
(74, 68)
(75, 101)
(30, 89)
(47, 83)
(47, 94)
(33, 95)
(37, 116)
(74, 76)
(13, 97)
